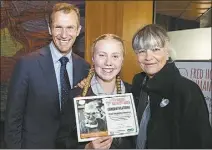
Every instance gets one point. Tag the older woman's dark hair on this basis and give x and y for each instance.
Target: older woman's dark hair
(150, 37)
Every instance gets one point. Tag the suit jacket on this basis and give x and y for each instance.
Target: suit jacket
(179, 115)
(67, 135)
(33, 111)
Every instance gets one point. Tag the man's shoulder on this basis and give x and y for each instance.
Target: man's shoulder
(35, 54)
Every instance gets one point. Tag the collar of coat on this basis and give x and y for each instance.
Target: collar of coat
(162, 83)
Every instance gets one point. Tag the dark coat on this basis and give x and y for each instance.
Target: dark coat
(33, 110)
(184, 121)
(67, 136)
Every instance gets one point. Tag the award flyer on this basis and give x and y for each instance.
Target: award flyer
(112, 115)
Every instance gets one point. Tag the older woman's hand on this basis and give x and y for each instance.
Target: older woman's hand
(100, 143)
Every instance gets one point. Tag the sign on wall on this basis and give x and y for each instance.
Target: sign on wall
(201, 73)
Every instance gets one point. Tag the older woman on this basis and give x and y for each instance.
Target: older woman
(107, 55)
(171, 109)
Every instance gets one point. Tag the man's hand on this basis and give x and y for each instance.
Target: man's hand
(100, 143)
(81, 84)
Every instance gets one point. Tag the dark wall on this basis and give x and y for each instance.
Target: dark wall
(172, 23)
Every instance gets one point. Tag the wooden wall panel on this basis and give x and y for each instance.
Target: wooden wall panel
(136, 15)
(123, 18)
(101, 17)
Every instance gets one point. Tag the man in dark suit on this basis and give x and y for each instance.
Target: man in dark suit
(40, 84)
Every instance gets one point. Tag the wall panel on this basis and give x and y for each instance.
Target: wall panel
(123, 18)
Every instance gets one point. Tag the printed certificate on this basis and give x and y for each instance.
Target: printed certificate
(113, 115)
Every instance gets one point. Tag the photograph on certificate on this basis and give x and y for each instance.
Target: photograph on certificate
(113, 115)
(91, 120)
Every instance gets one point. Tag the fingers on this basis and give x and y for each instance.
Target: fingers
(101, 143)
(79, 85)
(102, 139)
(82, 83)
(88, 146)
(106, 144)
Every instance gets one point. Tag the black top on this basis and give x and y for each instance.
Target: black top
(179, 114)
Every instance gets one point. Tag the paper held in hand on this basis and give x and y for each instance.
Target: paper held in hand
(113, 115)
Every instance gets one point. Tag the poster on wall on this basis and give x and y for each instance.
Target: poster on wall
(201, 73)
